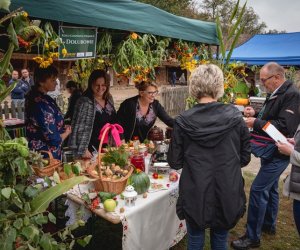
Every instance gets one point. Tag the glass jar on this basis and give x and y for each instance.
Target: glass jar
(138, 161)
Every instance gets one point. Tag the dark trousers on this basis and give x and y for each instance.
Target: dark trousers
(264, 197)
(196, 238)
(296, 210)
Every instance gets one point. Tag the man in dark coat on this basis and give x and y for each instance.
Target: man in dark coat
(281, 109)
(210, 144)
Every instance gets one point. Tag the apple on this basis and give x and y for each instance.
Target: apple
(110, 205)
(173, 176)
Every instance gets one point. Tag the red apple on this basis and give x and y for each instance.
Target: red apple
(173, 176)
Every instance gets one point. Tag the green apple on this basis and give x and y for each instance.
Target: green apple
(110, 205)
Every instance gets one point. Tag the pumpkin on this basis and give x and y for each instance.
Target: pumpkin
(140, 181)
(241, 101)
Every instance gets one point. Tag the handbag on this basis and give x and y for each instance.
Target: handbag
(262, 146)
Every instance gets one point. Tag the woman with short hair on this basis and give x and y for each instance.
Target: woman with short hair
(44, 121)
(210, 144)
(92, 111)
(138, 114)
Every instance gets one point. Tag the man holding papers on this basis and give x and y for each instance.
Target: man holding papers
(281, 110)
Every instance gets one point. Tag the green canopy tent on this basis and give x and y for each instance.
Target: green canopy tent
(121, 15)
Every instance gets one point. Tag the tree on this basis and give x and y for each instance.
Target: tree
(223, 8)
(176, 7)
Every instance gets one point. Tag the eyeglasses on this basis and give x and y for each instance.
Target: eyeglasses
(263, 80)
(152, 92)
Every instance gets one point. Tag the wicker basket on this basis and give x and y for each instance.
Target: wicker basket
(101, 184)
(50, 168)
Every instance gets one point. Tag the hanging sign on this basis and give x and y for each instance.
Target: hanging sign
(78, 42)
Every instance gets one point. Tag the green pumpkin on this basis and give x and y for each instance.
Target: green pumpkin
(140, 181)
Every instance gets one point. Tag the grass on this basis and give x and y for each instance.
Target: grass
(107, 236)
(286, 237)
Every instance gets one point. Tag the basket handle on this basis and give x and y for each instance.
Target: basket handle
(48, 153)
(99, 150)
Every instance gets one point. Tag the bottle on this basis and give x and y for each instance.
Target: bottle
(136, 143)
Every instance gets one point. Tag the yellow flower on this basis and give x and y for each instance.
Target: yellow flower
(53, 44)
(134, 36)
(225, 86)
(38, 59)
(64, 52)
(125, 71)
(50, 60)
(46, 46)
(24, 14)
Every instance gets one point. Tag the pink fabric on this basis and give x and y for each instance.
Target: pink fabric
(115, 130)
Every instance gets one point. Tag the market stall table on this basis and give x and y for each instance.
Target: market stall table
(15, 127)
(151, 224)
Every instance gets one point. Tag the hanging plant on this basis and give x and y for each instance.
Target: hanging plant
(137, 56)
(189, 55)
(48, 45)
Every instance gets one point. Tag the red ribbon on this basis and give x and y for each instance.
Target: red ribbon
(115, 130)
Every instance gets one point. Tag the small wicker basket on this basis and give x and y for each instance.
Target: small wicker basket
(50, 168)
(101, 184)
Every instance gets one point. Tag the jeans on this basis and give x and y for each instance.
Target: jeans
(196, 238)
(296, 210)
(264, 197)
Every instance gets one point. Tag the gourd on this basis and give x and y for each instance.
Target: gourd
(140, 181)
(241, 101)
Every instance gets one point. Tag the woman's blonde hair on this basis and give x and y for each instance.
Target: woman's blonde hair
(207, 81)
(142, 86)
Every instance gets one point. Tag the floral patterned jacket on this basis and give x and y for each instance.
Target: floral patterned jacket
(44, 123)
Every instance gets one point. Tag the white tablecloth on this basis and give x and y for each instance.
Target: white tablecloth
(151, 224)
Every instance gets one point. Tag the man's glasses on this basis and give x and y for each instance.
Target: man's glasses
(263, 80)
(153, 93)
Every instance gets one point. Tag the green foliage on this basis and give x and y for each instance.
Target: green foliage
(118, 156)
(23, 203)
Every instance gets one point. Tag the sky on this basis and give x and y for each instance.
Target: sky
(277, 14)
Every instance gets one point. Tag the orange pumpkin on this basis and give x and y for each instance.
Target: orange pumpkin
(241, 101)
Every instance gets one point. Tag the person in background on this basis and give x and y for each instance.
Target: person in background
(173, 79)
(138, 114)
(45, 129)
(56, 93)
(182, 80)
(291, 186)
(18, 93)
(210, 143)
(26, 79)
(92, 111)
(281, 109)
(75, 93)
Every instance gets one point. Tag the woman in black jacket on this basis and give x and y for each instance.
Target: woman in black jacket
(138, 114)
(210, 144)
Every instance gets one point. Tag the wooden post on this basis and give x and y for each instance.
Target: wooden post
(6, 110)
(13, 109)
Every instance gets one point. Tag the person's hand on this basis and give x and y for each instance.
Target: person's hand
(285, 148)
(249, 111)
(291, 140)
(68, 131)
(250, 121)
(87, 154)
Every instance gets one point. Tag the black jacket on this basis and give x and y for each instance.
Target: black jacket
(281, 110)
(210, 143)
(127, 116)
(72, 102)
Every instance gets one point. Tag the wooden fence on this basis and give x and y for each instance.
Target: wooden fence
(9, 110)
(173, 99)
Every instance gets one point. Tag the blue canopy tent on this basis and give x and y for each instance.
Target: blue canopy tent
(260, 49)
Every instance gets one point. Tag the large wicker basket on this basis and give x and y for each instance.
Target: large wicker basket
(50, 168)
(101, 184)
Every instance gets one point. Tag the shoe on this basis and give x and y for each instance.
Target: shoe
(268, 230)
(245, 243)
